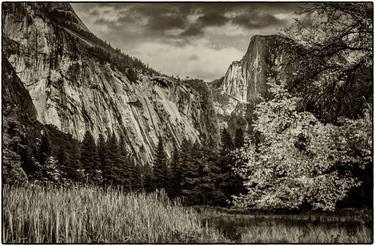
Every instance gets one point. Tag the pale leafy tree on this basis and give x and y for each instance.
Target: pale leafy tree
(300, 160)
(83, 175)
(51, 169)
(48, 171)
(98, 176)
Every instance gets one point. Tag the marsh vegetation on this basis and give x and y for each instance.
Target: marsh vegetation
(106, 215)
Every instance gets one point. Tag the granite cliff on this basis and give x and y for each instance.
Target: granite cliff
(245, 82)
(78, 82)
(279, 58)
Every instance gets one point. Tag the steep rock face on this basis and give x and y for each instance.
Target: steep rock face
(235, 83)
(266, 56)
(16, 100)
(245, 82)
(76, 91)
(224, 104)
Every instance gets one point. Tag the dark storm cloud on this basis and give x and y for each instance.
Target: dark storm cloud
(195, 39)
(166, 16)
(162, 23)
(257, 21)
(212, 19)
(193, 30)
(205, 20)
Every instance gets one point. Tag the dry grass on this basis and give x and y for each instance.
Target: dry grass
(93, 215)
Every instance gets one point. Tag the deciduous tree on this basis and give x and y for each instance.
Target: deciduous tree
(299, 159)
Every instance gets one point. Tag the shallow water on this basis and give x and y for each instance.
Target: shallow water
(290, 228)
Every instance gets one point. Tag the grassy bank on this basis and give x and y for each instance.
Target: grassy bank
(92, 215)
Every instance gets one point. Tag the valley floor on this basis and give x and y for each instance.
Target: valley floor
(97, 215)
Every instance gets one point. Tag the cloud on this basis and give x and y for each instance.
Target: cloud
(257, 21)
(193, 30)
(206, 20)
(212, 19)
(162, 23)
(160, 17)
(183, 34)
(193, 57)
(194, 60)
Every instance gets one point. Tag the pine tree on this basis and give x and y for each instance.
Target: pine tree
(45, 149)
(112, 170)
(116, 160)
(136, 178)
(189, 173)
(148, 181)
(160, 167)
(105, 159)
(125, 165)
(101, 149)
(174, 183)
(89, 155)
(75, 164)
(27, 153)
(61, 156)
(239, 138)
(63, 160)
(199, 176)
(230, 183)
(139, 171)
(209, 178)
(226, 140)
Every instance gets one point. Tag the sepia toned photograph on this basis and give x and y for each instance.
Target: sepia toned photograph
(187, 122)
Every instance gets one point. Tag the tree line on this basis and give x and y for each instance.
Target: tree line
(106, 162)
(195, 174)
(198, 174)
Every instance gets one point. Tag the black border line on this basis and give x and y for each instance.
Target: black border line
(198, 2)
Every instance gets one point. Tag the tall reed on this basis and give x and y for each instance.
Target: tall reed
(97, 215)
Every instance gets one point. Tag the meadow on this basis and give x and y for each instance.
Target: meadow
(106, 215)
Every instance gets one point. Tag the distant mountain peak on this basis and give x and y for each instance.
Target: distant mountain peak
(245, 81)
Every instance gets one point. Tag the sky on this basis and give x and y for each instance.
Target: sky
(196, 40)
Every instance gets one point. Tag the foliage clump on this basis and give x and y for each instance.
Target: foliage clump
(298, 160)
